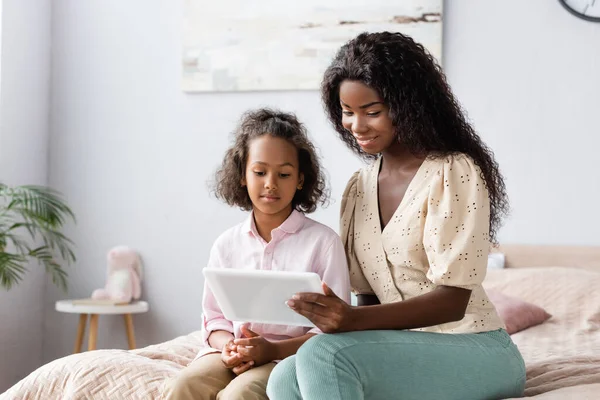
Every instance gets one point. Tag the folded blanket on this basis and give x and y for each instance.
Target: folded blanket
(108, 374)
(559, 372)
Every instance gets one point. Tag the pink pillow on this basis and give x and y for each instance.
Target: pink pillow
(516, 313)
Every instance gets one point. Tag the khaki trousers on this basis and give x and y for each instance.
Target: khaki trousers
(208, 379)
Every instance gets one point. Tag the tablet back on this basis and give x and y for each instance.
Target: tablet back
(260, 296)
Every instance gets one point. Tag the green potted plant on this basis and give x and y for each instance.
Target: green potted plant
(31, 218)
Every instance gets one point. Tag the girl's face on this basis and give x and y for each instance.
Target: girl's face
(366, 117)
(272, 175)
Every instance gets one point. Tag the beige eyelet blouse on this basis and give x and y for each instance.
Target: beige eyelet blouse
(438, 235)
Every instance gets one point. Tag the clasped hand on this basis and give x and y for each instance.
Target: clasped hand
(252, 350)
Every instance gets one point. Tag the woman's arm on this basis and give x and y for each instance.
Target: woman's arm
(442, 305)
(331, 314)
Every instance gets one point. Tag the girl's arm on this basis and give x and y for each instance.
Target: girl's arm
(231, 359)
(218, 339)
(213, 320)
(333, 269)
(256, 348)
(289, 347)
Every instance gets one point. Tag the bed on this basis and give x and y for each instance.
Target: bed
(562, 354)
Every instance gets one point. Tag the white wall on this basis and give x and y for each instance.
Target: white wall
(133, 152)
(24, 108)
(528, 73)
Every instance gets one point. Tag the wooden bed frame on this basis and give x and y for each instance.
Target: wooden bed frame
(524, 256)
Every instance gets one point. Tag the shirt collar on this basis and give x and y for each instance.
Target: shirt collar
(292, 224)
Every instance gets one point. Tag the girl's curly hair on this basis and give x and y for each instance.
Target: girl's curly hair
(277, 124)
(427, 116)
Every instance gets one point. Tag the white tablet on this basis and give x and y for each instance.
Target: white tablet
(260, 296)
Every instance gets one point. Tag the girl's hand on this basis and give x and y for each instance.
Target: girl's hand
(328, 312)
(243, 367)
(255, 348)
(233, 360)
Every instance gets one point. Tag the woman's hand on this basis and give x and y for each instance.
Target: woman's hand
(254, 348)
(328, 312)
(233, 360)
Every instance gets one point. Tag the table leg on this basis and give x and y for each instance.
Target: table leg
(80, 333)
(93, 332)
(129, 329)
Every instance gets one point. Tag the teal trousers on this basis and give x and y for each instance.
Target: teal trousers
(403, 365)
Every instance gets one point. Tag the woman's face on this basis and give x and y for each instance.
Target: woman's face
(366, 117)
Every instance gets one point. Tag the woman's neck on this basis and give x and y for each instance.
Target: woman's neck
(398, 158)
(265, 223)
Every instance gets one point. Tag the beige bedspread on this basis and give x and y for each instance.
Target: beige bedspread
(108, 374)
(562, 355)
(565, 350)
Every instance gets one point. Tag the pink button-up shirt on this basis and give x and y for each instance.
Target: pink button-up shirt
(299, 245)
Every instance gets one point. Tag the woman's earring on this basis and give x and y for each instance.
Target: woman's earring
(299, 187)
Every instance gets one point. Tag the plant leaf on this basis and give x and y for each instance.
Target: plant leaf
(40, 212)
(11, 269)
(40, 204)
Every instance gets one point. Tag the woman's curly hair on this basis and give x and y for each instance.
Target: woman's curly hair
(277, 124)
(427, 116)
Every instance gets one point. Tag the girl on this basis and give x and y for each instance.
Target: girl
(271, 170)
(417, 225)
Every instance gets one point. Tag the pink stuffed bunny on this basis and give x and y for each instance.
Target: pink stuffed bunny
(123, 281)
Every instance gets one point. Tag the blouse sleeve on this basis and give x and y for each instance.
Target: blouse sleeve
(358, 282)
(456, 235)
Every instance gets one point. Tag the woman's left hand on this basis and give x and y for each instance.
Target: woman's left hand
(328, 312)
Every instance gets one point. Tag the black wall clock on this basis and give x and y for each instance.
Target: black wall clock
(588, 10)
